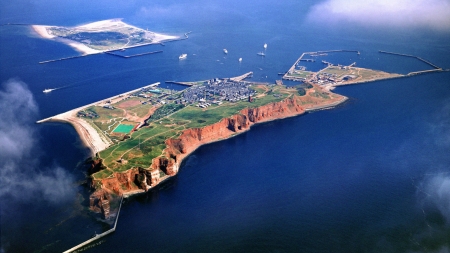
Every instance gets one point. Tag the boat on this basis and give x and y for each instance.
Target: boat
(240, 59)
(261, 54)
(225, 50)
(47, 90)
(265, 45)
(183, 56)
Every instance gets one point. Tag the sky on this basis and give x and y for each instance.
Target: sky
(429, 14)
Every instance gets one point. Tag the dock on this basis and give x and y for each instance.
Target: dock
(96, 237)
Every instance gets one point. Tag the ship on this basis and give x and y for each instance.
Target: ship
(240, 59)
(261, 54)
(183, 56)
(47, 90)
(225, 50)
(265, 45)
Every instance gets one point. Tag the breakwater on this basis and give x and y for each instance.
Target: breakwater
(416, 57)
(134, 55)
(179, 83)
(64, 58)
(97, 236)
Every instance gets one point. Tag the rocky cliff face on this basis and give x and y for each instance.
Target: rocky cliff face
(191, 139)
(99, 202)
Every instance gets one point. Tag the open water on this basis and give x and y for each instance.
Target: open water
(371, 175)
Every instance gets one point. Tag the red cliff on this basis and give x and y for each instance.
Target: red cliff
(177, 149)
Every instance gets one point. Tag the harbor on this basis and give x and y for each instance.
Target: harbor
(294, 74)
(436, 68)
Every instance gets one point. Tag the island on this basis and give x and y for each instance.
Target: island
(139, 138)
(102, 36)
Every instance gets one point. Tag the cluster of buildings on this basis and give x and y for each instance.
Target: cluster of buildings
(325, 78)
(217, 91)
(87, 114)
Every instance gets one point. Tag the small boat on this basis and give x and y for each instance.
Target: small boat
(240, 59)
(225, 50)
(265, 45)
(183, 56)
(261, 54)
(47, 90)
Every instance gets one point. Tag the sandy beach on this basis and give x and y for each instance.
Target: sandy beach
(41, 30)
(99, 26)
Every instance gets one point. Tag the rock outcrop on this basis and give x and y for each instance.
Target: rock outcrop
(99, 202)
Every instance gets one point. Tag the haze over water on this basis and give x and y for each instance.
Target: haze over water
(371, 175)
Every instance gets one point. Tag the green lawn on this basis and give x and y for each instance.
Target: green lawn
(149, 142)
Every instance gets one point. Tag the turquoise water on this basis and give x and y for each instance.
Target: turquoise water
(362, 177)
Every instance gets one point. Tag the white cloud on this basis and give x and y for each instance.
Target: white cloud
(20, 176)
(433, 14)
(438, 190)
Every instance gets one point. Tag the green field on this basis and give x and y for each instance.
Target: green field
(169, 121)
(123, 129)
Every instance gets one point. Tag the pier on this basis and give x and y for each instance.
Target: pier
(96, 237)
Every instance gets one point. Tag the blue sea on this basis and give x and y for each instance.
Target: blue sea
(371, 175)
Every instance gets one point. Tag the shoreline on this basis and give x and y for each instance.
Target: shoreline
(41, 30)
(230, 134)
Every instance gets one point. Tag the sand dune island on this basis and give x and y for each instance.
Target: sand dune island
(101, 36)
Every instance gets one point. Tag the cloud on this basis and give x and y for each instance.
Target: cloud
(440, 127)
(437, 189)
(20, 176)
(433, 14)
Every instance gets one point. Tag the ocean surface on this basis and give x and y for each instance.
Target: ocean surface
(371, 175)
